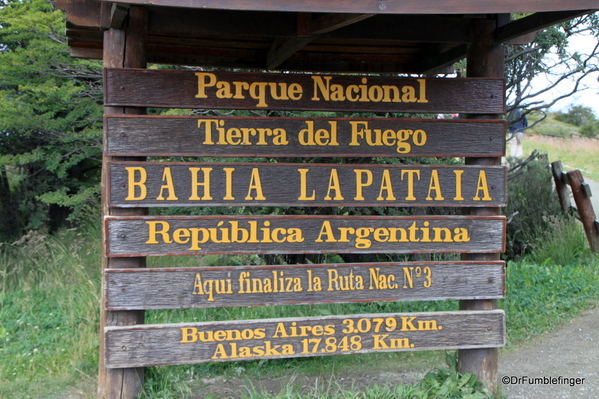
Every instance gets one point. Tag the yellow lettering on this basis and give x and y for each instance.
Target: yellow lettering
(132, 183)
(327, 231)
(360, 183)
(334, 185)
(205, 80)
(195, 183)
(482, 186)
(153, 232)
(255, 184)
(436, 186)
(166, 176)
(387, 186)
(303, 186)
(411, 174)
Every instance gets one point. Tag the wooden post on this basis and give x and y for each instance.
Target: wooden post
(561, 185)
(123, 48)
(582, 193)
(485, 59)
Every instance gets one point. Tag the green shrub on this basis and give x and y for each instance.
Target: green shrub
(532, 203)
(590, 130)
(577, 115)
(563, 244)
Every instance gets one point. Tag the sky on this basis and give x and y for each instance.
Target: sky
(589, 94)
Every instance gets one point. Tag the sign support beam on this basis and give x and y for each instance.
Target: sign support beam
(123, 48)
(485, 59)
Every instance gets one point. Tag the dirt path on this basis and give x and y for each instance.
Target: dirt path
(560, 364)
(570, 352)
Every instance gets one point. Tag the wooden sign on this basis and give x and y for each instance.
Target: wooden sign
(167, 184)
(202, 235)
(241, 90)
(133, 289)
(160, 135)
(190, 343)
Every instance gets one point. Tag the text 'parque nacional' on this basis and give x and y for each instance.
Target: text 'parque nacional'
(230, 90)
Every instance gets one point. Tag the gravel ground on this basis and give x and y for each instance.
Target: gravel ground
(571, 352)
(560, 364)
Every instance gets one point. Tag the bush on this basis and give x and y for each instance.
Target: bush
(532, 205)
(577, 115)
(590, 130)
(565, 243)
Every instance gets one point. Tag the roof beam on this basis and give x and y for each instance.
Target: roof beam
(282, 49)
(308, 28)
(380, 6)
(434, 63)
(533, 23)
(118, 14)
(331, 22)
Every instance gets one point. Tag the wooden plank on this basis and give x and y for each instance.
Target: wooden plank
(239, 90)
(178, 23)
(128, 289)
(382, 6)
(330, 22)
(172, 184)
(281, 51)
(203, 235)
(198, 136)
(190, 343)
(561, 185)
(534, 23)
(584, 207)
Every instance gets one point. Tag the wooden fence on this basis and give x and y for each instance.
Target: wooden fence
(581, 192)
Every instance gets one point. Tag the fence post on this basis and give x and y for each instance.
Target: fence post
(560, 179)
(582, 197)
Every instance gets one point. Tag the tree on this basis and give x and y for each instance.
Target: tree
(50, 120)
(577, 115)
(549, 55)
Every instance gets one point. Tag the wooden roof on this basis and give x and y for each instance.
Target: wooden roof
(383, 36)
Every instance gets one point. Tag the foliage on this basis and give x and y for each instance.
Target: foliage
(550, 126)
(531, 203)
(49, 316)
(590, 129)
(543, 296)
(551, 56)
(61, 300)
(563, 243)
(50, 120)
(577, 115)
(581, 116)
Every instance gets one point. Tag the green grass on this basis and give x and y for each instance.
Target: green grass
(551, 126)
(49, 296)
(49, 300)
(579, 152)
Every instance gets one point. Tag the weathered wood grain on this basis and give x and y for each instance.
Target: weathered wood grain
(189, 343)
(170, 184)
(202, 235)
(128, 289)
(182, 89)
(159, 135)
(381, 7)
